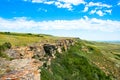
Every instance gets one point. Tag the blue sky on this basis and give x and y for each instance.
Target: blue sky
(87, 19)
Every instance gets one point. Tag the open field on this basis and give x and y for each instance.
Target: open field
(23, 39)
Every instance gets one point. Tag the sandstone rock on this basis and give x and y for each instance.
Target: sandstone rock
(23, 69)
(59, 49)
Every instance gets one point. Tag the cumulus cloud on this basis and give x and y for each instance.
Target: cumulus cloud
(69, 4)
(118, 4)
(100, 13)
(98, 4)
(108, 11)
(93, 11)
(83, 23)
(60, 3)
(73, 2)
(98, 8)
(38, 1)
(49, 2)
(85, 9)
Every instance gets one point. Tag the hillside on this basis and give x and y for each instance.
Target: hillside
(58, 58)
(104, 56)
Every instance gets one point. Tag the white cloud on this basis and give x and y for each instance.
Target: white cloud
(83, 23)
(92, 11)
(60, 3)
(100, 13)
(99, 8)
(98, 4)
(49, 2)
(118, 4)
(86, 18)
(38, 1)
(72, 2)
(108, 11)
(85, 9)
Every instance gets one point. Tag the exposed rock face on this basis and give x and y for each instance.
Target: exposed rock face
(49, 49)
(40, 49)
(26, 52)
(24, 67)
(64, 45)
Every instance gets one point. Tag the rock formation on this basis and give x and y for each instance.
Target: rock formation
(27, 60)
(22, 69)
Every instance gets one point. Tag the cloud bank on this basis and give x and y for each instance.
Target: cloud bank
(79, 24)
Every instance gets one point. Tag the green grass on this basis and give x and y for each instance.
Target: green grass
(104, 57)
(76, 64)
(73, 65)
(4, 47)
(23, 39)
(101, 62)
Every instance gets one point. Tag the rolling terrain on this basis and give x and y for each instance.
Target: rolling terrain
(85, 60)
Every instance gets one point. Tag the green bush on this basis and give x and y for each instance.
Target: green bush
(3, 47)
(7, 45)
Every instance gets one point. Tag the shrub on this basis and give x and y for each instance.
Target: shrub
(7, 32)
(7, 45)
(3, 47)
(29, 34)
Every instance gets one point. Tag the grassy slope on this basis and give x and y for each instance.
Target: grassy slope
(107, 57)
(23, 39)
(75, 65)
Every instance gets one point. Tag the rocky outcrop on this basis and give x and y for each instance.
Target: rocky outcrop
(28, 59)
(50, 49)
(40, 49)
(22, 69)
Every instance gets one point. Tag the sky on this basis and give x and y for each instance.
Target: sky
(86, 19)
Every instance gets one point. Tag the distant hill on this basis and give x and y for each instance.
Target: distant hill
(114, 42)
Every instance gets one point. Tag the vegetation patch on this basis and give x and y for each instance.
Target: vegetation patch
(4, 47)
(72, 65)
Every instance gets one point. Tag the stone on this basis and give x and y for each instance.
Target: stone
(23, 69)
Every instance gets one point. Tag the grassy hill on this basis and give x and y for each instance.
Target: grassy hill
(72, 65)
(84, 61)
(23, 39)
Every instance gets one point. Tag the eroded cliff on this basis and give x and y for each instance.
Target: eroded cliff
(27, 60)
